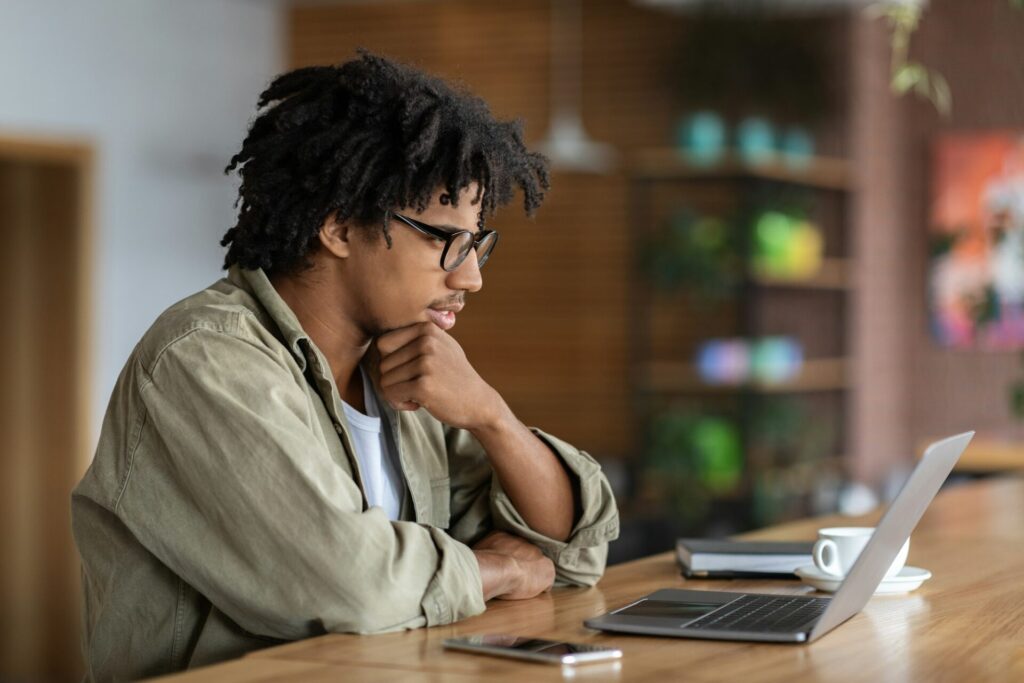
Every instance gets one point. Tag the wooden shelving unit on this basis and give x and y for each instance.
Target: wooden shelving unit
(660, 176)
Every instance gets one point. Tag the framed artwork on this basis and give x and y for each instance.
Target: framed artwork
(976, 273)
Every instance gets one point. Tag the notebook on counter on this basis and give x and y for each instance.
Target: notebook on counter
(721, 558)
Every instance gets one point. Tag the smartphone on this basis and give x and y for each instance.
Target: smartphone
(534, 649)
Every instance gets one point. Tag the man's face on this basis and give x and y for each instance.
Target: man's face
(406, 284)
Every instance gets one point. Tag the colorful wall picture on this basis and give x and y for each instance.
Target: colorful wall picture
(976, 275)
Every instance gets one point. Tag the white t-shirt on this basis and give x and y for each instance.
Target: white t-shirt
(381, 474)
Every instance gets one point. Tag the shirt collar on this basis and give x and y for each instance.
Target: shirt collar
(258, 285)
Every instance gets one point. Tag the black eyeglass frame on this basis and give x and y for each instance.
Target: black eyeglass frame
(449, 237)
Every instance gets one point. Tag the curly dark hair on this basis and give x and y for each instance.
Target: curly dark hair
(361, 139)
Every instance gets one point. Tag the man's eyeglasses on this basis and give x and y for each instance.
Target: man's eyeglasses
(457, 243)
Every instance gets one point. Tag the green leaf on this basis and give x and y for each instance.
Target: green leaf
(923, 87)
(941, 94)
(907, 76)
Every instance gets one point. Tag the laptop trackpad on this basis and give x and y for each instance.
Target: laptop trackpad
(666, 609)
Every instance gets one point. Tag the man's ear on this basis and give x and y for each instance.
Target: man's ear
(336, 237)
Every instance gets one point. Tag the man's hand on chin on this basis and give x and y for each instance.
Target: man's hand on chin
(512, 568)
(422, 366)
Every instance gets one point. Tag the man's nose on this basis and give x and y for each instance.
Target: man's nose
(467, 276)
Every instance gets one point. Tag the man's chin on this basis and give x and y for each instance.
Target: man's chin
(382, 329)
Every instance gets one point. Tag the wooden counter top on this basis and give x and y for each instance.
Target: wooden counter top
(965, 624)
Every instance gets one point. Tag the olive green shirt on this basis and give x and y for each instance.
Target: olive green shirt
(224, 510)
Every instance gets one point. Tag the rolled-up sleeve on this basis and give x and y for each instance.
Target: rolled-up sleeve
(233, 488)
(479, 504)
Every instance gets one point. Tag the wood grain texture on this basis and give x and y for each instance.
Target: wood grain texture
(965, 624)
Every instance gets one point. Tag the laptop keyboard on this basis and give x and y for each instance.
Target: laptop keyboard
(763, 614)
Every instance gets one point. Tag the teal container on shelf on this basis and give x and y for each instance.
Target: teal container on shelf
(797, 147)
(776, 360)
(755, 141)
(700, 137)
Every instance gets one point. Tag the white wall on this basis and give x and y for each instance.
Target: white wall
(164, 90)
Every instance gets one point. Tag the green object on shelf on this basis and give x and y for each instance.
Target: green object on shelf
(786, 246)
(696, 460)
(698, 448)
(694, 252)
(717, 448)
(771, 240)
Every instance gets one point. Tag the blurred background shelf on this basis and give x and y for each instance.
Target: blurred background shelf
(669, 163)
(818, 374)
(833, 275)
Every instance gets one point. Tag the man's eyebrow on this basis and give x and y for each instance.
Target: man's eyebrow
(455, 228)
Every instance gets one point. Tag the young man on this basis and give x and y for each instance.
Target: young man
(303, 447)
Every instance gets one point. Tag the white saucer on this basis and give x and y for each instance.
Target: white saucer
(905, 581)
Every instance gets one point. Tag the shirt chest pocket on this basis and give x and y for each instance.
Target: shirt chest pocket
(440, 502)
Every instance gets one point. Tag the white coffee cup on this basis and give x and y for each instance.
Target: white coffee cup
(837, 549)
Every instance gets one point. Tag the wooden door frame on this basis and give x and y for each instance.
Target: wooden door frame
(76, 158)
(80, 155)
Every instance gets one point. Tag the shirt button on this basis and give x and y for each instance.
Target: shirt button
(337, 427)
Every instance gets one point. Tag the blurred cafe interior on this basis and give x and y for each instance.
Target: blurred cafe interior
(783, 248)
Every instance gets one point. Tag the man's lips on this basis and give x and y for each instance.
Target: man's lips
(444, 316)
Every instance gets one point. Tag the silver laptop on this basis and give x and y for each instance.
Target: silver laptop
(793, 618)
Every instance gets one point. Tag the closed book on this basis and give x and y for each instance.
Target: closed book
(710, 557)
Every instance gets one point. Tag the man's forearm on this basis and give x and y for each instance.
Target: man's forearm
(531, 474)
(496, 572)
(512, 568)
